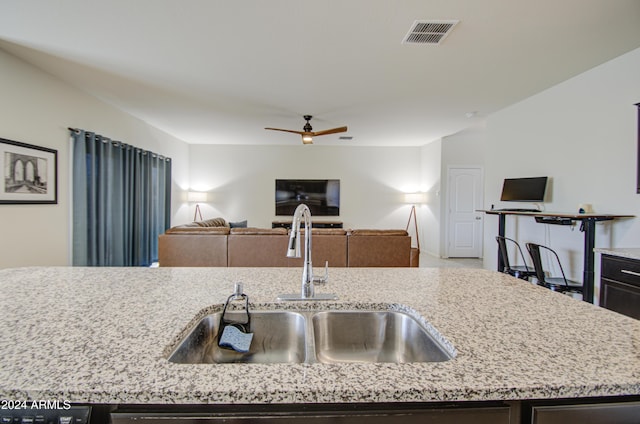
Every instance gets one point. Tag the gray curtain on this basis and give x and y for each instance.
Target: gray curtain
(121, 202)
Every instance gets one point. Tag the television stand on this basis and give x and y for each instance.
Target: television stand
(517, 210)
(314, 224)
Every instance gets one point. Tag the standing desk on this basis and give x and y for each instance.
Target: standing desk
(588, 226)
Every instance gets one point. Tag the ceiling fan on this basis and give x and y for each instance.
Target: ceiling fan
(307, 132)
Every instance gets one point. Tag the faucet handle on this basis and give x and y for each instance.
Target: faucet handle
(324, 279)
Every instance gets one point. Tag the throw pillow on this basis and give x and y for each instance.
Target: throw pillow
(238, 224)
(215, 222)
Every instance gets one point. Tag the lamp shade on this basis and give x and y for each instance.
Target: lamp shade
(415, 198)
(197, 196)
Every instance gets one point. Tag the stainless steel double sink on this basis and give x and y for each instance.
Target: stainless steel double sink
(335, 336)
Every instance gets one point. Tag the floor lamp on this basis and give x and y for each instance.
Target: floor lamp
(414, 199)
(197, 196)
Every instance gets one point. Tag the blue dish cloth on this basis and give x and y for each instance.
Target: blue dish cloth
(235, 339)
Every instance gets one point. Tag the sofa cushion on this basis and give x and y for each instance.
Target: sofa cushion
(377, 233)
(200, 249)
(379, 248)
(259, 231)
(328, 246)
(257, 247)
(238, 224)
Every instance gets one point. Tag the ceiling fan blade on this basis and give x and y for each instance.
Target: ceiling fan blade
(289, 131)
(331, 131)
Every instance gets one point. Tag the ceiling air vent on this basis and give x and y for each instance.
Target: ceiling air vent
(428, 32)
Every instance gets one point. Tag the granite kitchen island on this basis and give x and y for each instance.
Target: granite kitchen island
(101, 336)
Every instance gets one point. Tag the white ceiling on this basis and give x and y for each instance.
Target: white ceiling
(218, 72)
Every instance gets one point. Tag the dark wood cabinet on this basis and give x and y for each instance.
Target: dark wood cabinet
(605, 413)
(620, 285)
(330, 415)
(621, 410)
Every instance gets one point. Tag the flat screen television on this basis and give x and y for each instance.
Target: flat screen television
(321, 196)
(524, 189)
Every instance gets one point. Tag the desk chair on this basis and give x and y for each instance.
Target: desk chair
(519, 271)
(559, 284)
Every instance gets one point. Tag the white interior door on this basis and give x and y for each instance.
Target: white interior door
(465, 189)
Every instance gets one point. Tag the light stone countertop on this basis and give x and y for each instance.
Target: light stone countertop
(623, 252)
(100, 335)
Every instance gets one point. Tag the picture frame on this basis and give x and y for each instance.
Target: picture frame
(30, 174)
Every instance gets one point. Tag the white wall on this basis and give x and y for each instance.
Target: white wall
(466, 147)
(241, 180)
(429, 214)
(37, 108)
(583, 134)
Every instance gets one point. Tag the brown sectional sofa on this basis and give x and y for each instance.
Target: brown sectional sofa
(193, 246)
(257, 247)
(198, 246)
(371, 248)
(268, 247)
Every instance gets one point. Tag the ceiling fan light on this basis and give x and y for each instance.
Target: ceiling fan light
(307, 138)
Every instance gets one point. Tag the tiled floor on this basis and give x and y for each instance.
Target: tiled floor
(427, 260)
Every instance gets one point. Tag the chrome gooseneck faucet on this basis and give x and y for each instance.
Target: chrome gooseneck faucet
(308, 280)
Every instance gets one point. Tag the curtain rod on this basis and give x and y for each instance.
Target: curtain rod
(162, 157)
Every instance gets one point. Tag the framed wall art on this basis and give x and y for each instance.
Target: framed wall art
(30, 173)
